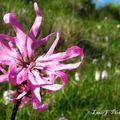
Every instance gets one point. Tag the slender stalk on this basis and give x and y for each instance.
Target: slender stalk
(35, 115)
(15, 109)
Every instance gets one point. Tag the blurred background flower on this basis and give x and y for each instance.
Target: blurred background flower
(104, 75)
(97, 75)
(77, 76)
(63, 118)
(8, 96)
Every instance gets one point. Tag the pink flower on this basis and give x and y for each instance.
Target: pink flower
(20, 66)
(63, 118)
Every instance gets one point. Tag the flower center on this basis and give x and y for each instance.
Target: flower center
(21, 88)
(25, 64)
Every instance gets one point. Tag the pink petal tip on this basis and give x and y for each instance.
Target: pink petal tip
(6, 18)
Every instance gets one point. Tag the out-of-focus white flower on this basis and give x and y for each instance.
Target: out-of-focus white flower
(7, 96)
(63, 118)
(118, 26)
(99, 27)
(106, 38)
(104, 74)
(109, 64)
(105, 18)
(93, 36)
(77, 76)
(94, 61)
(103, 57)
(117, 71)
(97, 75)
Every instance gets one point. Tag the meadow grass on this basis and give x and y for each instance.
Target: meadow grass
(97, 32)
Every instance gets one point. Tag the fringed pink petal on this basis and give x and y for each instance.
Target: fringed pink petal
(6, 37)
(34, 30)
(46, 65)
(4, 78)
(36, 79)
(23, 102)
(56, 87)
(52, 62)
(9, 18)
(21, 76)
(32, 79)
(12, 73)
(68, 54)
(42, 41)
(21, 38)
(6, 53)
(52, 48)
(38, 107)
(41, 108)
(36, 101)
(67, 66)
(37, 93)
(57, 67)
(30, 48)
(21, 95)
(31, 43)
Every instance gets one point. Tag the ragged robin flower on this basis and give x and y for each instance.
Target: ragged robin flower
(29, 73)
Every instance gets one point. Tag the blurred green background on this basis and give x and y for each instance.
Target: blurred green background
(93, 86)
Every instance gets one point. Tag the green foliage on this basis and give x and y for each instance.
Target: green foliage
(109, 10)
(97, 32)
